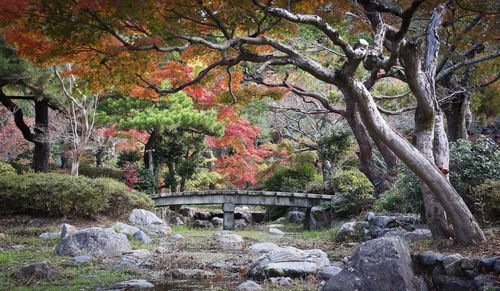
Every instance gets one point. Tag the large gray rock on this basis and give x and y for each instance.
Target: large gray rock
(49, 235)
(66, 229)
(144, 238)
(149, 222)
(240, 223)
(328, 272)
(249, 286)
(260, 248)
(202, 215)
(296, 216)
(276, 232)
(202, 224)
(288, 261)
(228, 240)
(175, 221)
(95, 241)
(378, 264)
(243, 213)
(38, 271)
(452, 264)
(186, 212)
(353, 231)
(417, 234)
(136, 284)
(320, 217)
(124, 228)
(217, 222)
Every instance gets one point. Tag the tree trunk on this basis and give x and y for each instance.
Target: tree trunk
(75, 163)
(98, 157)
(41, 152)
(365, 154)
(466, 228)
(154, 137)
(327, 171)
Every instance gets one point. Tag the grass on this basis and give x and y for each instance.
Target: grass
(89, 276)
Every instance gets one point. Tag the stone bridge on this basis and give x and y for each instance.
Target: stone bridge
(229, 198)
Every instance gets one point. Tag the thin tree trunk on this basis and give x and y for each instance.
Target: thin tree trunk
(466, 228)
(154, 137)
(41, 152)
(365, 154)
(75, 163)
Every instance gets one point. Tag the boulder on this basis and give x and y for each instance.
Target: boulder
(49, 235)
(320, 217)
(281, 281)
(240, 223)
(202, 224)
(228, 240)
(128, 261)
(289, 261)
(177, 236)
(243, 213)
(191, 274)
(488, 264)
(418, 234)
(354, 231)
(149, 222)
(35, 222)
(328, 272)
(95, 241)
(452, 264)
(66, 229)
(38, 271)
(276, 232)
(217, 221)
(136, 284)
(249, 286)
(202, 215)
(175, 221)
(296, 216)
(260, 248)
(429, 258)
(186, 212)
(144, 238)
(378, 264)
(124, 228)
(2, 236)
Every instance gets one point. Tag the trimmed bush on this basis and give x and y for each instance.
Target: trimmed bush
(96, 172)
(56, 195)
(6, 168)
(291, 180)
(355, 194)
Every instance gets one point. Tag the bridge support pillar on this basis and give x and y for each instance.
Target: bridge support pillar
(307, 220)
(228, 223)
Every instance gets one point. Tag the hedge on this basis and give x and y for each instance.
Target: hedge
(58, 195)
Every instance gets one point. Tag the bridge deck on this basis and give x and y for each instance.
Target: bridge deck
(241, 197)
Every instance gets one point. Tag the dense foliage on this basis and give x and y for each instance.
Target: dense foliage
(54, 194)
(6, 168)
(471, 163)
(355, 194)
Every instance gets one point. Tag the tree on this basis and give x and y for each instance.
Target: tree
(81, 109)
(20, 80)
(234, 33)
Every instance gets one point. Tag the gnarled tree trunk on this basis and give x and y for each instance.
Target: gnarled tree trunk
(466, 228)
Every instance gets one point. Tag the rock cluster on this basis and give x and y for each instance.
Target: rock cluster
(372, 226)
(213, 219)
(454, 272)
